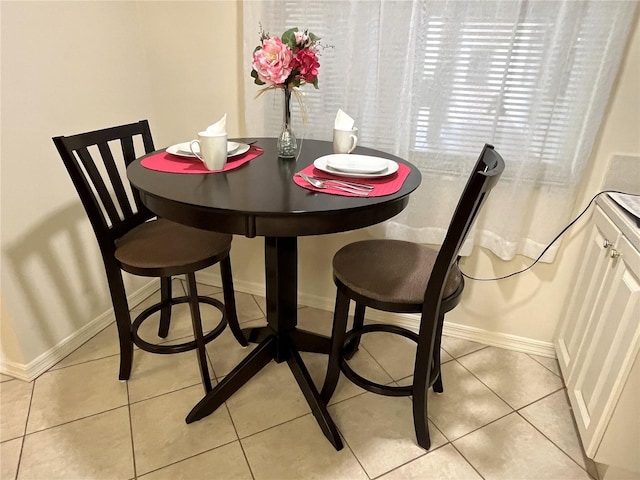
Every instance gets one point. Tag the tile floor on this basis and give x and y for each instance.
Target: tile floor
(504, 415)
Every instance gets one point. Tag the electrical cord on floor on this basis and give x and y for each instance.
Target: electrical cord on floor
(513, 274)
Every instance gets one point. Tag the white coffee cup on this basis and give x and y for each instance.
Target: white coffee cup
(213, 150)
(344, 141)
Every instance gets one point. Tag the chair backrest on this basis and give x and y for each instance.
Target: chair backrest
(484, 176)
(101, 185)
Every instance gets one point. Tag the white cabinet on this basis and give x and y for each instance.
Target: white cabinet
(599, 338)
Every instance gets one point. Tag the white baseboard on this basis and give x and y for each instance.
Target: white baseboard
(48, 359)
(410, 321)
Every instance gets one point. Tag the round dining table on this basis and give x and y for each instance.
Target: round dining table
(260, 199)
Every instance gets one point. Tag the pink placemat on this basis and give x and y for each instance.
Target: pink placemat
(381, 186)
(166, 162)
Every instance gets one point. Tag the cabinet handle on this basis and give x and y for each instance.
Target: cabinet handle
(615, 253)
(606, 243)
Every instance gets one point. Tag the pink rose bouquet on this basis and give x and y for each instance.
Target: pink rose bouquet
(290, 60)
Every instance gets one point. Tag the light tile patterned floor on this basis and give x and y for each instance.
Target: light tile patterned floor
(504, 415)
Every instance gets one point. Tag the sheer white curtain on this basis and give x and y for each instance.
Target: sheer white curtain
(432, 81)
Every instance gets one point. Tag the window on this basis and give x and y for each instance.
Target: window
(432, 81)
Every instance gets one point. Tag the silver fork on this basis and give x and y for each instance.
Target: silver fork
(318, 183)
(364, 187)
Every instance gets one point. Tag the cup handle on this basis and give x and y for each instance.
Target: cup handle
(193, 151)
(354, 139)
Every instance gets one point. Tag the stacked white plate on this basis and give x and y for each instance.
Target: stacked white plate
(350, 165)
(183, 149)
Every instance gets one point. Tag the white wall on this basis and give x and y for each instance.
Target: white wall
(69, 67)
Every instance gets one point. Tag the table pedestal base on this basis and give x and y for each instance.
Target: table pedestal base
(281, 340)
(259, 358)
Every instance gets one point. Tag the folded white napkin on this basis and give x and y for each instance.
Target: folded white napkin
(343, 121)
(218, 128)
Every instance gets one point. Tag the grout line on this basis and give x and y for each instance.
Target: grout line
(76, 420)
(24, 433)
(467, 460)
(199, 382)
(52, 369)
(483, 347)
(346, 444)
(246, 459)
(537, 361)
(538, 399)
(409, 461)
(264, 313)
(482, 426)
(487, 386)
(133, 449)
(188, 457)
(552, 441)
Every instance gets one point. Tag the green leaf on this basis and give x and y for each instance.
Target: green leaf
(289, 38)
(257, 81)
(315, 83)
(314, 38)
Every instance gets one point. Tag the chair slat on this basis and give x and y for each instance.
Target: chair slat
(128, 150)
(99, 185)
(115, 178)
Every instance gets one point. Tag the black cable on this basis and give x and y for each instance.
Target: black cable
(552, 241)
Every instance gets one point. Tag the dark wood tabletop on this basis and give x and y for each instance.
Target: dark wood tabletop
(261, 199)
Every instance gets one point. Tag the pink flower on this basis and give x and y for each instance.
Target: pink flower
(306, 63)
(273, 61)
(301, 39)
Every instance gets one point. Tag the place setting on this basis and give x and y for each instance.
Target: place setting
(211, 152)
(348, 174)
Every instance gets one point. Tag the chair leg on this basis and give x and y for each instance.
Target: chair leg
(197, 331)
(427, 361)
(340, 315)
(230, 301)
(437, 385)
(165, 311)
(437, 346)
(123, 320)
(420, 392)
(358, 321)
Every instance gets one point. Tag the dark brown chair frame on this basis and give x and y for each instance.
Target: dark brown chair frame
(484, 177)
(109, 226)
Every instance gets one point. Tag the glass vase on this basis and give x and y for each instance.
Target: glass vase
(287, 143)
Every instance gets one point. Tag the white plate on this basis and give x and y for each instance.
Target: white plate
(323, 163)
(182, 149)
(356, 163)
(242, 148)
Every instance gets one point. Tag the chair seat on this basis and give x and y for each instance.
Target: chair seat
(390, 271)
(162, 246)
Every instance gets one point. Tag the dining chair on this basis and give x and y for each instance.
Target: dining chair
(406, 277)
(133, 240)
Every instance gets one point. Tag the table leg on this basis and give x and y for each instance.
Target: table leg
(310, 342)
(230, 384)
(315, 401)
